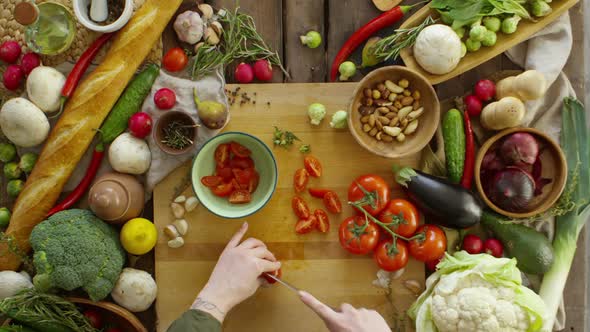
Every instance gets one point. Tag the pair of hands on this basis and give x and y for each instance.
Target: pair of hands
(236, 277)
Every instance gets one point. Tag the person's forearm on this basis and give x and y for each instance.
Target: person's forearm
(210, 303)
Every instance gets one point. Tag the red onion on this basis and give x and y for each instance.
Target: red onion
(512, 189)
(520, 148)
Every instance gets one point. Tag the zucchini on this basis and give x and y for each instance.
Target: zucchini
(454, 139)
(128, 104)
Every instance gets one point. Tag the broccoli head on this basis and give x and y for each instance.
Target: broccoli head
(73, 249)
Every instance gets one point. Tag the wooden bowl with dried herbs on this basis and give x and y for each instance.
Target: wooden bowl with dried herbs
(176, 132)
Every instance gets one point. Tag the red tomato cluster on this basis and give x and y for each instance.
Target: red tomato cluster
(235, 173)
(372, 233)
(95, 319)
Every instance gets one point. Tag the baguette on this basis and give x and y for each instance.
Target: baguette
(84, 113)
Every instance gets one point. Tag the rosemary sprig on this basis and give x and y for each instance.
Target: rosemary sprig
(176, 135)
(391, 46)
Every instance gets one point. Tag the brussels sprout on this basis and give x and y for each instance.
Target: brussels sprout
(540, 8)
(7, 152)
(463, 49)
(347, 69)
(489, 39)
(4, 217)
(477, 33)
(492, 23)
(14, 187)
(12, 171)
(510, 24)
(339, 120)
(472, 45)
(27, 162)
(460, 32)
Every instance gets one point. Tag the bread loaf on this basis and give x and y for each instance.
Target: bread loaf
(84, 113)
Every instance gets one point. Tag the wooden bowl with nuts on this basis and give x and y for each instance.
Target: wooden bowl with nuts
(394, 112)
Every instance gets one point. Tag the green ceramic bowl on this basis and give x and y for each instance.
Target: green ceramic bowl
(265, 163)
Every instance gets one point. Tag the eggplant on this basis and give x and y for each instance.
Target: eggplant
(449, 204)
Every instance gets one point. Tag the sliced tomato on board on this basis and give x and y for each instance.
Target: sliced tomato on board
(332, 202)
(240, 196)
(304, 226)
(318, 192)
(300, 180)
(222, 155)
(225, 173)
(278, 273)
(313, 166)
(239, 150)
(223, 190)
(300, 207)
(211, 181)
(323, 224)
(241, 162)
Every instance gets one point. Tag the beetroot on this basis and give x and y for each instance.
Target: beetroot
(10, 51)
(512, 189)
(13, 77)
(473, 105)
(520, 148)
(485, 90)
(30, 61)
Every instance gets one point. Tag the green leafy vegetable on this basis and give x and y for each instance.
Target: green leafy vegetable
(467, 12)
(284, 138)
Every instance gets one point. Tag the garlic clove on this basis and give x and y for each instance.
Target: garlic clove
(206, 11)
(198, 45)
(191, 203)
(211, 37)
(217, 27)
(414, 286)
(181, 225)
(176, 243)
(171, 232)
(180, 199)
(177, 210)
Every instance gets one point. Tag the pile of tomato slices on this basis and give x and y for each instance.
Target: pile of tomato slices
(235, 173)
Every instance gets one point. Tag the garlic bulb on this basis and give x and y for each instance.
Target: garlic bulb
(189, 27)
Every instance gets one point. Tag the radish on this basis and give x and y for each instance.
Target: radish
(29, 62)
(140, 124)
(165, 99)
(485, 90)
(473, 105)
(472, 244)
(9, 51)
(244, 73)
(13, 77)
(263, 70)
(493, 247)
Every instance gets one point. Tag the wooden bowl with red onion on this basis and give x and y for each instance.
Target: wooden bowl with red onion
(520, 172)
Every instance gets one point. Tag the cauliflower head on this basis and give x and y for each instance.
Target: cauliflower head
(477, 293)
(73, 249)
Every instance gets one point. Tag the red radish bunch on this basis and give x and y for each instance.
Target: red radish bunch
(14, 74)
(29, 62)
(10, 51)
(483, 92)
(263, 70)
(140, 124)
(164, 99)
(13, 77)
(493, 247)
(244, 73)
(473, 105)
(472, 244)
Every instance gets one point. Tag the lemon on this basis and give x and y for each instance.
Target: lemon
(138, 236)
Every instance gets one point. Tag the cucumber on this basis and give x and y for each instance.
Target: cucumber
(128, 104)
(532, 250)
(454, 139)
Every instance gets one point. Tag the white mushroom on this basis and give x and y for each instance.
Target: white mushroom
(135, 290)
(129, 154)
(44, 86)
(23, 123)
(438, 49)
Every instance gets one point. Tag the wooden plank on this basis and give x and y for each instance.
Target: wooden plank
(304, 64)
(268, 15)
(314, 262)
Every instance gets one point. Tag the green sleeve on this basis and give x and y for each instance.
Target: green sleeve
(195, 321)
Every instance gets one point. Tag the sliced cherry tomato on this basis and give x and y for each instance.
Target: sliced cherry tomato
(403, 216)
(175, 59)
(378, 193)
(278, 273)
(318, 192)
(300, 179)
(239, 150)
(332, 202)
(243, 163)
(222, 155)
(313, 166)
(225, 173)
(323, 224)
(253, 184)
(431, 246)
(211, 181)
(242, 177)
(223, 190)
(300, 207)
(235, 185)
(304, 226)
(390, 258)
(94, 318)
(358, 236)
(240, 196)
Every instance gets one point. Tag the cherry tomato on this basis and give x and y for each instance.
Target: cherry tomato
(94, 318)
(404, 214)
(493, 247)
(323, 224)
(390, 258)
(300, 180)
(222, 155)
(304, 226)
(211, 181)
(253, 183)
(318, 192)
(175, 59)
(300, 207)
(472, 244)
(313, 166)
(431, 265)
(332, 202)
(223, 190)
(242, 177)
(240, 150)
(278, 273)
(377, 188)
(357, 236)
(225, 173)
(432, 246)
(241, 162)
(240, 196)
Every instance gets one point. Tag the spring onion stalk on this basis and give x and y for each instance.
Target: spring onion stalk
(575, 144)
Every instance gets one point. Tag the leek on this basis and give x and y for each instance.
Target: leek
(575, 144)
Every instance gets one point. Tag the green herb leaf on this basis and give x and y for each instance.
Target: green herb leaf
(305, 148)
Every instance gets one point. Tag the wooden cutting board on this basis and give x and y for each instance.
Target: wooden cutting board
(314, 262)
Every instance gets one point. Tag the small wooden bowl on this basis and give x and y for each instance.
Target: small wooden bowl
(428, 121)
(164, 121)
(554, 168)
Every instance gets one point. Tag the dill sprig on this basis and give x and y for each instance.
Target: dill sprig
(390, 47)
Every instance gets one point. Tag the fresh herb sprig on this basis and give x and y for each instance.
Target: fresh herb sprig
(390, 47)
(176, 135)
(284, 138)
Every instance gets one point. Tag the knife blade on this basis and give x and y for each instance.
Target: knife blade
(284, 283)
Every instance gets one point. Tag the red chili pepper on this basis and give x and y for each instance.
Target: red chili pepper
(469, 163)
(384, 20)
(81, 66)
(79, 191)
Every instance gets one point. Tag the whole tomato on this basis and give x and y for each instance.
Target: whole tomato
(377, 193)
(94, 318)
(390, 258)
(403, 215)
(358, 236)
(431, 245)
(175, 59)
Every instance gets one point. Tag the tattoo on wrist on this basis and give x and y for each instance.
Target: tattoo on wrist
(201, 303)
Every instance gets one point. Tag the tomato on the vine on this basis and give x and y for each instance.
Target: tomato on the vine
(358, 236)
(372, 191)
(390, 258)
(403, 215)
(313, 166)
(300, 179)
(175, 59)
(332, 202)
(300, 207)
(430, 244)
